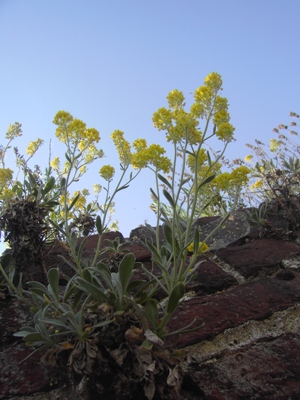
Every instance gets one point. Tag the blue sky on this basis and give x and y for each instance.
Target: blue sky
(112, 63)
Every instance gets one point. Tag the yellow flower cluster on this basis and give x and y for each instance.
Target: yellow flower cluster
(74, 131)
(175, 99)
(6, 194)
(249, 158)
(92, 153)
(274, 145)
(154, 155)
(162, 119)
(6, 175)
(202, 159)
(13, 131)
(239, 175)
(139, 144)
(122, 146)
(214, 81)
(55, 163)
(236, 178)
(203, 247)
(34, 146)
(97, 188)
(181, 125)
(107, 172)
(256, 185)
(225, 132)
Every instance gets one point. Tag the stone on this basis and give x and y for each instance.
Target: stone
(247, 294)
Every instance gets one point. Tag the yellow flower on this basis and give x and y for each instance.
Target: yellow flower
(91, 135)
(97, 188)
(214, 81)
(220, 117)
(239, 176)
(82, 145)
(197, 110)
(62, 118)
(152, 155)
(34, 146)
(6, 194)
(204, 95)
(82, 169)
(74, 131)
(225, 132)
(274, 144)
(139, 144)
(249, 158)
(55, 163)
(122, 146)
(202, 248)
(222, 181)
(162, 119)
(107, 172)
(6, 175)
(85, 192)
(175, 99)
(114, 226)
(13, 131)
(256, 185)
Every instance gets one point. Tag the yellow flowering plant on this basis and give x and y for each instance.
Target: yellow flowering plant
(176, 201)
(102, 311)
(26, 200)
(275, 174)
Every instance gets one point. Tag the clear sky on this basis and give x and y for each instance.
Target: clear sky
(112, 63)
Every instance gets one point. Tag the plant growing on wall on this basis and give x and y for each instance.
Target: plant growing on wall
(109, 324)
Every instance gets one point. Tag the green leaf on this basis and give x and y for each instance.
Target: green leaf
(55, 322)
(73, 202)
(153, 251)
(175, 296)
(164, 180)
(125, 270)
(103, 323)
(105, 273)
(208, 158)
(68, 158)
(33, 337)
(168, 233)
(99, 225)
(32, 180)
(206, 181)
(91, 289)
(51, 203)
(81, 247)
(134, 284)
(169, 238)
(38, 288)
(53, 279)
(49, 186)
(152, 312)
(153, 194)
(184, 181)
(63, 182)
(169, 198)
(56, 226)
(6, 260)
(122, 188)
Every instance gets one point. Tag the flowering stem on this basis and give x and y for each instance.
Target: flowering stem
(108, 201)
